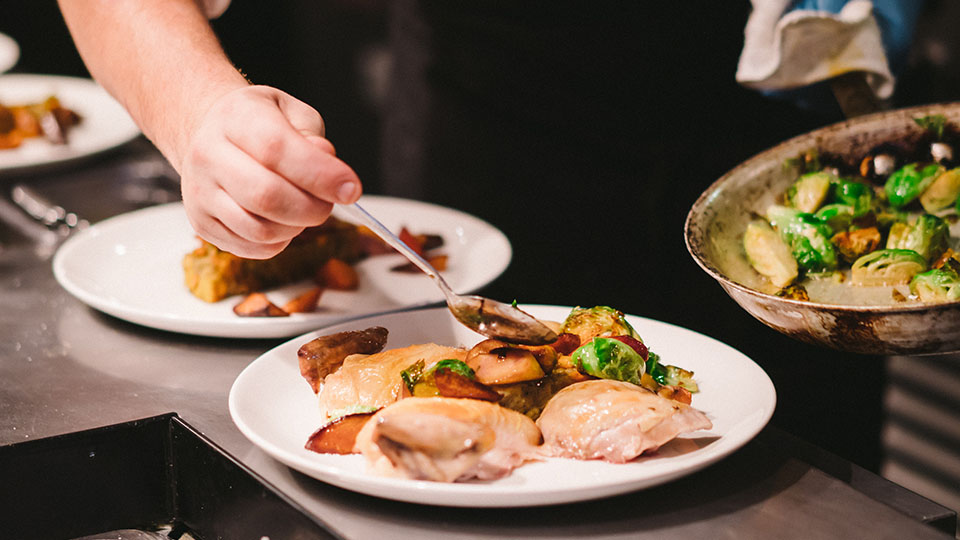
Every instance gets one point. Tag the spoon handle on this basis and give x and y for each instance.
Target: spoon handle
(384, 233)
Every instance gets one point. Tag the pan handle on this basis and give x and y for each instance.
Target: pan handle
(854, 95)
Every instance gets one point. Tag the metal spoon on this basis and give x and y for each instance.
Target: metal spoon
(482, 315)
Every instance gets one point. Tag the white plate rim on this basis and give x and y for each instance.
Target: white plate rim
(482, 494)
(232, 326)
(106, 124)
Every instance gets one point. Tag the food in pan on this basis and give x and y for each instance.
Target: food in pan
(326, 254)
(444, 413)
(48, 119)
(885, 222)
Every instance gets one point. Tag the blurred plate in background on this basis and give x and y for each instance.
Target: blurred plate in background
(129, 266)
(104, 123)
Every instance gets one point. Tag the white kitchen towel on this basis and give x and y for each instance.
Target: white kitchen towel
(784, 50)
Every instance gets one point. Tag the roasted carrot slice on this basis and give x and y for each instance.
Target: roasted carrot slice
(338, 275)
(338, 436)
(304, 303)
(415, 242)
(258, 305)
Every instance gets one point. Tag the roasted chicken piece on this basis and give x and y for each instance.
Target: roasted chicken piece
(374, 381)
(613, 420)
(447, 439)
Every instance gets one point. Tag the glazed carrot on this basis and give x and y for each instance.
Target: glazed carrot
(258, 305)
(338, 275)
(305, 302)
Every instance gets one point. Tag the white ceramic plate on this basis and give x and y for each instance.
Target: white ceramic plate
(104, 125)
(276, 409)
(129, 266)
(9, 52)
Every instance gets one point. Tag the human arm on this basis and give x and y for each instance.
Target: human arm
(255, 166)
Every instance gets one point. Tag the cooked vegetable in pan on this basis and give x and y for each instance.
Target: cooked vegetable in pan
(885, 223)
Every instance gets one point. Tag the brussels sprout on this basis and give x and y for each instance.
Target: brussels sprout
(854, 244)
(769, 255)
(854, 194)
(928, 235)
(412, 375)
(456, 366)
(906, 184)
(933, 123)
(810, 191)
(597, 321)
(609, 358)
(670, 375)
(936, 285)
(943, 192)
(887, 267)
(808, 238)
(420, 379)
(887, 217)
(837, 216)
(794, 292)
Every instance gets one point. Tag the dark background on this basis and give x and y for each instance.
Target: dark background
(585, 135)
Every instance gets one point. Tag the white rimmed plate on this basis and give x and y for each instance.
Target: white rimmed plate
(129, 266)
(275, 408)
(105, 124)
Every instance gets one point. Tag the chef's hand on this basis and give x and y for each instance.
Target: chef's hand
(256, 170)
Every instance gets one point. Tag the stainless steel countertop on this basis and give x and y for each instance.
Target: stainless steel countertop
(65, 367)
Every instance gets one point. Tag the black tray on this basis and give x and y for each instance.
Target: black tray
(148, 474)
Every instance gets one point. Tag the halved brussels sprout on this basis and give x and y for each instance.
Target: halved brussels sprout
(794, 292)
(854, 194)
(936, 285)
(419, 378)
(887, 267)
(856, 243)
(597, 321)
(928, 235)
(837, 216)
(934, 123)
(907, 183)
(670, 375)
(943, 191)
(609, 358)
(810, 191)
(769, 255)
(808, 238)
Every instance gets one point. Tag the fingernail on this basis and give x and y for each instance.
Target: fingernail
(347, 192)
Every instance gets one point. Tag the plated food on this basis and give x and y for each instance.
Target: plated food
(130, 266)
(885, 223)
(47, 119)
(452, 413)
(324, 254)
(98, 123)
(274, 407)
